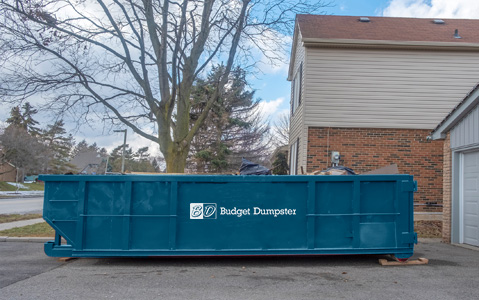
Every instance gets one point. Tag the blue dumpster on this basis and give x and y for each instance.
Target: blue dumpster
(166, 215)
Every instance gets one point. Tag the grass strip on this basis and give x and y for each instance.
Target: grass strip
(34, 186)
(18, 217)
(35, 230)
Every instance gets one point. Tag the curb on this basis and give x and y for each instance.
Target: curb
(466, 246)
(8, 196)
(26, 239)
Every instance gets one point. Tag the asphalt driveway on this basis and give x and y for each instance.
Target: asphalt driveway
(26, 273)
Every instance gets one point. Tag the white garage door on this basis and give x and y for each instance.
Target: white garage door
(471, 198)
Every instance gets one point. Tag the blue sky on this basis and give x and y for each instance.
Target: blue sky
(272, 87)
(356, 8)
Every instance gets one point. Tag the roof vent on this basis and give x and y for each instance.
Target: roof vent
(456, 34)
(439, 21)
(364, 19)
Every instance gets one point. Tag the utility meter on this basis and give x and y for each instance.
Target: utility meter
(335, 157)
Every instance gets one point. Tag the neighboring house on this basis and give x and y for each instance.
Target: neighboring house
(31, 178)
(374, 88)
(460, 130)
(89, 163)
(8, 172)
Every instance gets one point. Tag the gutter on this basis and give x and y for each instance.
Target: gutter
(422, 45)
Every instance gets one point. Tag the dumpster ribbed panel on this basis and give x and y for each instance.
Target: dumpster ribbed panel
(137, 215)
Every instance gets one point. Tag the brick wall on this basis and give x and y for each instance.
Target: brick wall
(447, 184)
(365, 149)
(8, 173)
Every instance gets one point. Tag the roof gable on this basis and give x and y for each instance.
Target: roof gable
(384, 32)
(83, 159)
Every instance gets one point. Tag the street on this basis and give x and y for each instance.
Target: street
(21, 205)
(26, 273)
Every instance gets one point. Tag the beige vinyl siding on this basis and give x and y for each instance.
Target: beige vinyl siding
(297, 120)
(369, 88)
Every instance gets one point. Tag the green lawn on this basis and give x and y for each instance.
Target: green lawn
(17, 217)
(34, 186)
(36, 230)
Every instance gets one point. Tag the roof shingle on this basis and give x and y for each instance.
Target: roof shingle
(388, 29)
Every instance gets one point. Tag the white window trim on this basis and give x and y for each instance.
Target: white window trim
(293, 158)
(297, 82)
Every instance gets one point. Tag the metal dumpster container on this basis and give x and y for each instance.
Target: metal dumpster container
(163, 215)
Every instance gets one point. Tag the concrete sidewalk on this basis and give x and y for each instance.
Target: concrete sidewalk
(20, 194)
(5, 226)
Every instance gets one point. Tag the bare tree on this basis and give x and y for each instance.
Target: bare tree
(134, 62)
(22, 150)
(281, 130)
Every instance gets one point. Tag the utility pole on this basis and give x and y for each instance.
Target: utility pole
(123, 152)
(106, 167)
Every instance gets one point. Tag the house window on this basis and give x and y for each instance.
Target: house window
(297, 83)
(293, 158)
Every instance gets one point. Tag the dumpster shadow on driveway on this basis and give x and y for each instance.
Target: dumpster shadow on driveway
(427, 250)
(249, 261)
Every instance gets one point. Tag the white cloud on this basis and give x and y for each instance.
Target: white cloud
(267, 67)
(109, 139)
(465, 9)
(136, 142)
(284, 111)
(268, 51)
(269, 108)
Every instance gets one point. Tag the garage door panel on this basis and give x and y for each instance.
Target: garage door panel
(471, 198)
(470, 208)
(470, 185)
(470, 229)
(471, 220)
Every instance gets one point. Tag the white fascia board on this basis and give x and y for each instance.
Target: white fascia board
(456, 116)
(292, 57)
(392, 44)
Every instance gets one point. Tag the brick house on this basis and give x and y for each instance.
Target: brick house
(374, 88)
(460, 132)
(8, 172)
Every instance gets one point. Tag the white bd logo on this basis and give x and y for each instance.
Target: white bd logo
(201, 211)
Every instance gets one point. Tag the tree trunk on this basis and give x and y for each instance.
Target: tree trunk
(176, 160)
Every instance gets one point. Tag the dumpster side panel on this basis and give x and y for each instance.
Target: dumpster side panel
(60, 207)
(379, 211)
(150, 221)
(207, 215)
(105, 207)
(245, 216)
(333, 220)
